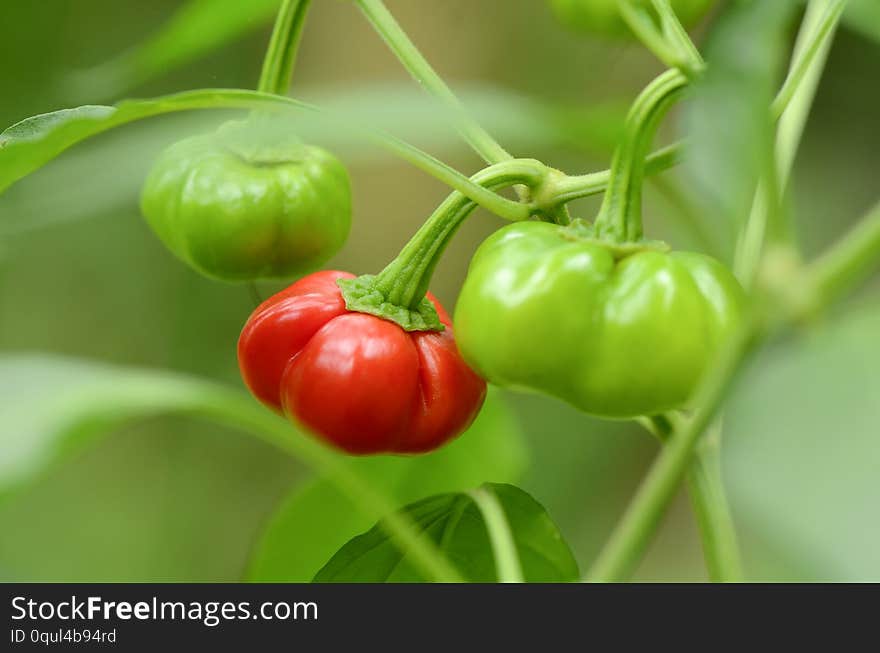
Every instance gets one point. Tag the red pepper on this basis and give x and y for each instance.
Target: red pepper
(361, 382)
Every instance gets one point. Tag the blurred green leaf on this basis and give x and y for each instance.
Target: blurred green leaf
(802, 453)
(518, 120)
(456, 525)
(196, 28)
(863, 16)
(728, 121)
(316, 520)
(50, 406)
(34, 141)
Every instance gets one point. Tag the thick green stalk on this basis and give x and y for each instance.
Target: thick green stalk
(405, 280)
(388, 28)
(283, 46)
(620, 217)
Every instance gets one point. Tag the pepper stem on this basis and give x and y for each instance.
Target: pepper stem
(283, 47)
(620, 217)
(398, 292)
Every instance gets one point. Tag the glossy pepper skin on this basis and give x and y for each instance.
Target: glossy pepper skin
(545, 310)
(602, 17)
(358, 381)
(238, 208)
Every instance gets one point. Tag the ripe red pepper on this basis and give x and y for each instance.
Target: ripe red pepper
(360, 381)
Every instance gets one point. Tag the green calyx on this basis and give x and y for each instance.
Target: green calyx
(362, 295)
(620, 217)
(580, 231)
(398, 293)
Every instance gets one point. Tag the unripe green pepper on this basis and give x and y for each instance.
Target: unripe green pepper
(244, 203)
(616, 330)
(603, 17)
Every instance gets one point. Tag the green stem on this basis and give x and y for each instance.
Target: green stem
(842, 265)
(620, 217)
(639, 21)
(572, 187)
(808, 61)
(848, 261)
(815, 35)
(675, 31)
(629, 539)
(404, 282)
(388, 28)
(283, 46)
(242, 413)
(507, 563)
(806, 53)
(709, 499)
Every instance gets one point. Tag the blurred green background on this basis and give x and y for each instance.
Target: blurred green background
(174, 499)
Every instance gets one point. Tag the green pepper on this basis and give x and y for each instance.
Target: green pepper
(244, 203)
(603, 17)
(616, 330)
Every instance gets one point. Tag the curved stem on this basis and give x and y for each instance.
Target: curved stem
(507, 563)
(572, 187)
(388, 28)
(405, 280)
(283, 46)
(620, 217)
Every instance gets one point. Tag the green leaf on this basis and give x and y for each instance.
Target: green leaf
(33, 142)
(315, 520)
(863, 16)
(195, 29)
(454, 522)
(728, 121)
(802, 454)
(52, 406)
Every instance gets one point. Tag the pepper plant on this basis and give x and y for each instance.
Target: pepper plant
(586, 309)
